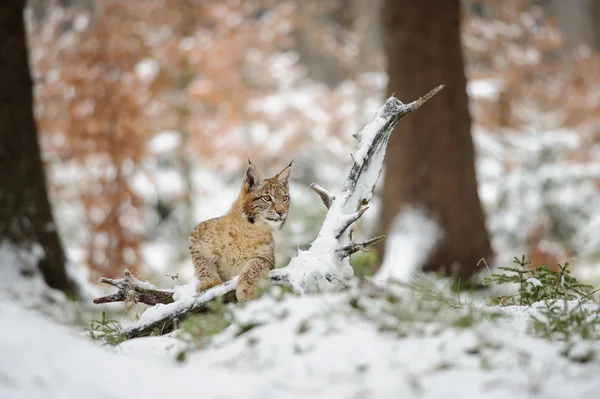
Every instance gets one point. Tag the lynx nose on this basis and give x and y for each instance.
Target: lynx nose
(280, 212)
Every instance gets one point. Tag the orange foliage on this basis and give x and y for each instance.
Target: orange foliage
(110, 78)
(89, 96)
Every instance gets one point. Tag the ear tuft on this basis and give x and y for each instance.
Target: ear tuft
(284, 176)
(252, 178)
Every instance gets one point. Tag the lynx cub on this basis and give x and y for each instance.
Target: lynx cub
(241, 241)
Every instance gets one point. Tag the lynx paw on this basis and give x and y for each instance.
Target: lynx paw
(205, 284)
(245, 292)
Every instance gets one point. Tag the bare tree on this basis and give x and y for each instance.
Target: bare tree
(26, 219)
(431, 157)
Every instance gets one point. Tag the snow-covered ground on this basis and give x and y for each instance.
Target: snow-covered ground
(336, 345)
(539, 190)
(378, 341)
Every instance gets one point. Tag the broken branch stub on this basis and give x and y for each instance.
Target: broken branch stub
(372, 146)
(356, 247)
(347, 220)
(324, 194)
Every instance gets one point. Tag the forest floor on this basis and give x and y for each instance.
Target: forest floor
(421, 340)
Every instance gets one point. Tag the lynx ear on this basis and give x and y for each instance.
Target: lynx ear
(284, 176)
(252, 179)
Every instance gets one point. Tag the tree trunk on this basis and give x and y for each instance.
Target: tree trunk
(578, 21)
(431, 157)
(25, 215)
(595, 15)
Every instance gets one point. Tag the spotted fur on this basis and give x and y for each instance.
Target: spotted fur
(241, 241)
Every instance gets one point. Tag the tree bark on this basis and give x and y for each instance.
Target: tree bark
(25, 214)
(431, 157)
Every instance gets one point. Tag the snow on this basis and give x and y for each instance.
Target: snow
(58, 364)
(147, 69)
(367, 135)
(164, 142)
(158, 255)
(534, 281)
(152, 347)
(315, 345)
(412, 236)
(19, 276)
(186, 291)
(486, 89)
(580, 351)
(81, 22)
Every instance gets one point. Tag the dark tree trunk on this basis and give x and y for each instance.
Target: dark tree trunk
(595, 17)
(430, 161)
(25, 214)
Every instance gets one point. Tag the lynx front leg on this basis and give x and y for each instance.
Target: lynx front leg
(205, 266)
(254, 270)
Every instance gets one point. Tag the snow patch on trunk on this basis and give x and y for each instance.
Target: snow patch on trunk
(20, 276)
(412, 237)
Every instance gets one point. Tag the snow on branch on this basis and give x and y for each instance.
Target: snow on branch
(324, 194)
(164, 318)
(323, 266)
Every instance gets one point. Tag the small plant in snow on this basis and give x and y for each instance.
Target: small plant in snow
(565, 320)
(561, 302)
(106, 330)
(426, 305)
(537, 284)
(364, 264)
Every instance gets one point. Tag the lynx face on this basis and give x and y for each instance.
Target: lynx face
(266, 201)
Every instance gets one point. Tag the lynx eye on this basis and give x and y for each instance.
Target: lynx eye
(266, 198)
(286, 198)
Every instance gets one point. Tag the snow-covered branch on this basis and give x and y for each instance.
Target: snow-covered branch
(325, 264)
(328, 253)
(164, 318)
(324, 194)
(132, 289)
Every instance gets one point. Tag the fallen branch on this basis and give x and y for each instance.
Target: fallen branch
(163, 318)
(324, 265)
(132, 289)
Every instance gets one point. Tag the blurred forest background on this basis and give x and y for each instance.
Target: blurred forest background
(147, 111)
